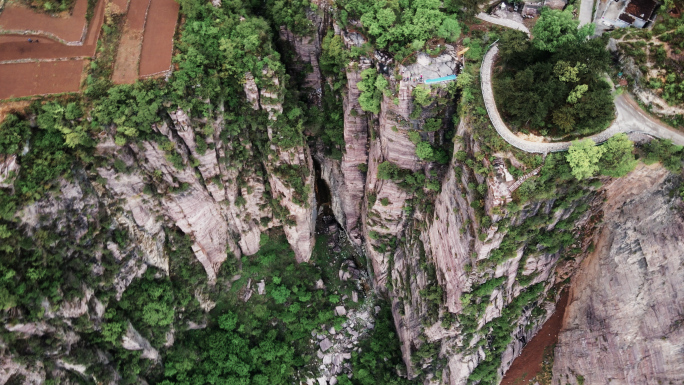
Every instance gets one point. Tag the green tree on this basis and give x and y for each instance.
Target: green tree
(414, 137)
(618, 158)
(555, 29)
(449, 30)
(280, 294)
(432, 125)
(228, 321)
(568, 73)
(372, 87)
(464, 79)
(13, 134)
(577, 93)
(663, 150)
(513, 43)
(584, 158)
(564, 118)
(387, 170)
(334, 58)
(424, 151)
(422, 95)
(158, 314)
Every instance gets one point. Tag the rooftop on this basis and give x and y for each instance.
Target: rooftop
(641, 8)
(628, 18)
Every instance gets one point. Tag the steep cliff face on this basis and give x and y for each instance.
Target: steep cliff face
(623, 321)
(222, 204)
(447, 255)
(307, 50)
(300, 224)
(351, 194)
(386, 210)
(193, 209)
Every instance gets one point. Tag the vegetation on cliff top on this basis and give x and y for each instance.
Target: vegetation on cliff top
(546, 87)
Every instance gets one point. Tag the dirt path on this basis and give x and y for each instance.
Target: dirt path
(26, 79)
(19, 19)
(157, 46)
(130, 46)
(529, 362)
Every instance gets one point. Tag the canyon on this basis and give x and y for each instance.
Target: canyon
(456, 263)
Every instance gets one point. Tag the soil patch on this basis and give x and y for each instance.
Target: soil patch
(17, 47)
(118, 6)
(127, 57)
(529, 363)
(42, 78)
(157, 47)
(48, 77)
(130, 46)
(137, 11)
(7, 108)
(19, 19)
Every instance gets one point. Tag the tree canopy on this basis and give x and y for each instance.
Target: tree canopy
(556, 29)
(584, 158)
(558, 91)
(618, 158)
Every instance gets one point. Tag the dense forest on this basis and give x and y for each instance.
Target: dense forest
(553, 84)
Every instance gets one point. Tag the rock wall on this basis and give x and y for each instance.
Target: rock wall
(300, 230)
(220, 204)
(392, 144)
(351, 190)
(623, 321)
(185, 200)
(307, 49)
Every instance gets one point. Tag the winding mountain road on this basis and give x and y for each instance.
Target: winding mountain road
(503, 22)
(630, 118)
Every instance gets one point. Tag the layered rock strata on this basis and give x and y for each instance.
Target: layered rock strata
(623, 321)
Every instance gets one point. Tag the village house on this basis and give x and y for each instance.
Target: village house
(626, 13)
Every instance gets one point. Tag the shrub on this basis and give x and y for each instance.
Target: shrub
(424, 151)
(387, 171)
(422, 95)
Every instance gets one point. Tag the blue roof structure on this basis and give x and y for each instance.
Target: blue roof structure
(439, 80)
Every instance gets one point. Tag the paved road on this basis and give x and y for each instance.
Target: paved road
(630, 118)
(586, 8)
(504, 22)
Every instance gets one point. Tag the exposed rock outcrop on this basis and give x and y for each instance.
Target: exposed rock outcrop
(351, 190)
(8, 168)
(132, 340)
(394, 146)
(10, 369)
(623, 321)
(307, 50)
(301, 220)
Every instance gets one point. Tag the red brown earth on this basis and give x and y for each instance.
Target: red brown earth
(24, 79)
(17, 18)
(529, 363)
(17, 47)
(128, 54)
(157, 47)
(37, 77)
(147, 51)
